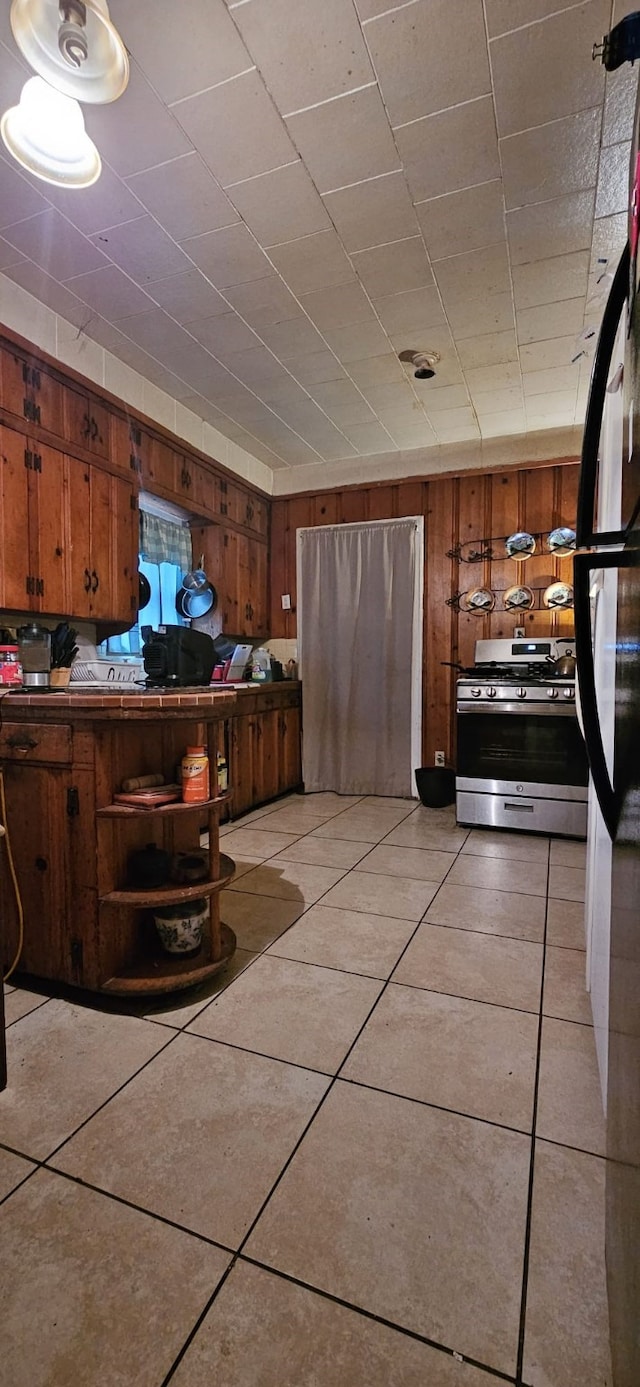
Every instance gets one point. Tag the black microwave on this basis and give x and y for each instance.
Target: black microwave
(177, 657)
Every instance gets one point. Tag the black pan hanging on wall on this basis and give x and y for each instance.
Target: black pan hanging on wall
(144, 591)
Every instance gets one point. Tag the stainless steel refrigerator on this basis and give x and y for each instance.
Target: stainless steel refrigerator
(612, 736)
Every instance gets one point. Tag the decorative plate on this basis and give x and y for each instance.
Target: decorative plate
(558, 596)
(518, 599)
(562, 542)
(521, 545)
(480, 600)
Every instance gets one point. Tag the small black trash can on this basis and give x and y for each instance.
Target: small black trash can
(436, 786)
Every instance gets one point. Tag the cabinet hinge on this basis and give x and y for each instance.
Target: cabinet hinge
(73, 802)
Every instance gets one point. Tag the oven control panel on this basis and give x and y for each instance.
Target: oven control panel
(561, 691)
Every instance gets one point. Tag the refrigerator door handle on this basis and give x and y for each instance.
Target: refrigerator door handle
(583, 565)
(585, 523)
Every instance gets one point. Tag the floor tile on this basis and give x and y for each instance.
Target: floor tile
(244, 865)
(262, 812)
(567, 1329)
(467, 1056)
(569, 1097)
(64, 1060)
(565, 924)
(357, 827)
(490, 912)
(13, 1169)
(417, 863)
(291, 1011)
(257, 842)
(199, 1137)
(181, 1008)
(257, 920)
(349, 939)
(116, 1292)
(300, 1338)
(565, 853)
(519, 847)
(565, 989)
(507, 972)
(567, 883)
(405, 1234)
(20, 1002)
(401, 899)
(388, 802)
(324, 852)
(500, 874)
(290, 881)
(416, 832)
(293, 821)
(325, 802)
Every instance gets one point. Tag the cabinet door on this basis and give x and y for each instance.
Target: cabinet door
(269, 747)
(47, 530)
(37, 819)
(102, 538)
(30, 392)
(125, 445)
(231, 501)
(244, 761)
(290, 760)
(86, 422)
(203, 495)
(256, 515)
(158, 466)
(15, 564)
(227, 584)
(258, 589)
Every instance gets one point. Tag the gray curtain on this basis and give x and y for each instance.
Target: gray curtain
(360, 653)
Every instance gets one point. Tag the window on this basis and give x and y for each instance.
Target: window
(164, 558)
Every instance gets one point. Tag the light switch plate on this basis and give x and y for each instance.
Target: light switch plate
(286, 602)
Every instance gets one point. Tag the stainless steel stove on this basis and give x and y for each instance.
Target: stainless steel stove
(521, 759)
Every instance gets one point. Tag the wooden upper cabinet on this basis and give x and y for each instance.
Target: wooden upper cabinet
(125, 445)
(32, 532)
(102, 544)
(30, 392)
(240, 507)
(86, 422)
(15, 562)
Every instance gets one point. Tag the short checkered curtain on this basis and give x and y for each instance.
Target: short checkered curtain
(163, 542)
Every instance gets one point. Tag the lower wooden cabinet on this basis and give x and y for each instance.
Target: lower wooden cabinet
(265, 753)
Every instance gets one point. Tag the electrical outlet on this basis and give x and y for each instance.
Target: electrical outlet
(439, 758)
(286, 602)
(518, 632)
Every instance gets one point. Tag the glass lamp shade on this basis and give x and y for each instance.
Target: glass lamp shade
(103, 74)
(46, 134)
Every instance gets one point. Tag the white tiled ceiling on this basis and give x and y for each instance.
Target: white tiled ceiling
(295, 191)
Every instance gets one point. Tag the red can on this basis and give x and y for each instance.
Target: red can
(10, 667)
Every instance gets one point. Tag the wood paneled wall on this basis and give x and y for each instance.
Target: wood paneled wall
(456, 510)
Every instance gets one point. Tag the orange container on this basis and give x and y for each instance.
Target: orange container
(195, 775)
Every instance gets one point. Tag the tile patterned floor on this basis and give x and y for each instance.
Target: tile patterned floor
(369, 1156)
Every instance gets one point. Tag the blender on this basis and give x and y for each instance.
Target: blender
(34, 643)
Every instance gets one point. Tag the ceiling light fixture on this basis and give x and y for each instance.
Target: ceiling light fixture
(424, 362)
(73, 45)
(46, 134)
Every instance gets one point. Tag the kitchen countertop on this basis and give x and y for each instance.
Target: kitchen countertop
(60, 705)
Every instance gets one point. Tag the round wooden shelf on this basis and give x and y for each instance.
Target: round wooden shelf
(172, 895)
(162, 972)
(129, 811)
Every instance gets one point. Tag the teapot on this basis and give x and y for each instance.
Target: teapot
(564, 667)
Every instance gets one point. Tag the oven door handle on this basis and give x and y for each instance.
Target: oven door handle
(583, 564)
(585, 522)
(532, 710)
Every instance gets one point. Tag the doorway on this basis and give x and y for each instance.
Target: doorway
(360, 601)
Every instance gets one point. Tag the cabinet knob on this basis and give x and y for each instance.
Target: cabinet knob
(86, 426)
(96, 581)
(94, 429)
(87, 580)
